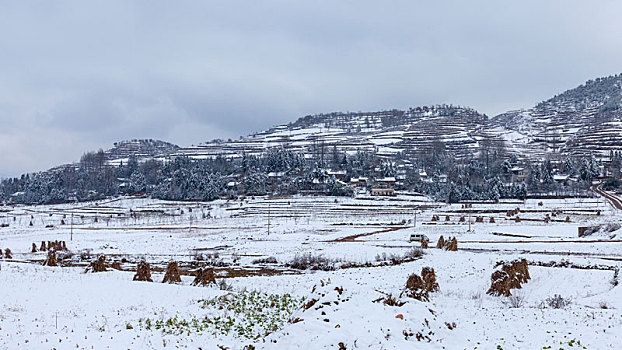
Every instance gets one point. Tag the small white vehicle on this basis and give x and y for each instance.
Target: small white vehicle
(417, 237)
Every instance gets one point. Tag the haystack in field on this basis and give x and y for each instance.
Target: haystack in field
(441, 243)
(43, 246)
(424, 244)
(34, 248)
(98, 265)
(452, 245)
(508, 276)
(7, 253)
(172, 273)
(429, 279)
(204, 277)
(51, 259)
(143, 272)
(419, 288)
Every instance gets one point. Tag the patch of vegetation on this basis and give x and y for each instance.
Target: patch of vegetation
(249, 315)
(556, 302)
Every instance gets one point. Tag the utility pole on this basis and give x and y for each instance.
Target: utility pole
(469, 205)
(415, 222)
(268, 219)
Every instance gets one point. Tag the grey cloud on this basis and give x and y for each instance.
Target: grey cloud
(91, 73)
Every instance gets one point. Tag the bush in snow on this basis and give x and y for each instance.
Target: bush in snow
(556, 302)
(313, 262)
(268, 260)
(515, 301)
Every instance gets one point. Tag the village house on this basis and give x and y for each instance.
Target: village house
(382, 191)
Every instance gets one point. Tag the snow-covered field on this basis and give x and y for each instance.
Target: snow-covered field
(63, 307)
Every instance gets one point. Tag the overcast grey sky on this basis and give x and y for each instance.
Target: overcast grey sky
(80, 75)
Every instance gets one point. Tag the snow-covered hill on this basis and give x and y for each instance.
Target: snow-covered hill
(412, 132)
(583, 120)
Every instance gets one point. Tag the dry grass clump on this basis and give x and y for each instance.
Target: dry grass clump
(507, 276)
(172, 273)
(204, 277)
(390, 300)
(420, 287)
(98, 265)
(51, 259)
(143, 272)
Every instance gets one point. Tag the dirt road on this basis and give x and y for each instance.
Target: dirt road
(615, 201)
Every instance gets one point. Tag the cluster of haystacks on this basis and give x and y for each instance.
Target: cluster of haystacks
(513, 212)
(435, 218)
(419, 287)
(507, 276)
(98, 265)
(55, 245)
(204, 277)
(172, 273)
(479, 219)
(143, 272)
(450, 244)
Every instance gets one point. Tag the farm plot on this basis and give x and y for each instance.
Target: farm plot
(336, 270)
